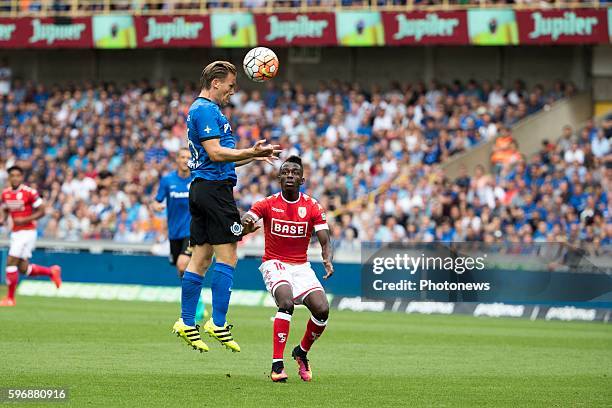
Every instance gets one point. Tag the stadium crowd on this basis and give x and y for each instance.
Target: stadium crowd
(96, 153)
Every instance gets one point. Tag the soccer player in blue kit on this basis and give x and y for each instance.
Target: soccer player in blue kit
(174, 191)
(215, 222)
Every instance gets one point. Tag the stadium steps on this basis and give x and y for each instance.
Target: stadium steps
(529, 132)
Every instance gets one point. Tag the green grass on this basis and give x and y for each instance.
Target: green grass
(117, 354)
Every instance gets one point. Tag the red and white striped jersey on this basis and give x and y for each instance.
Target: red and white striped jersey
(21, 202)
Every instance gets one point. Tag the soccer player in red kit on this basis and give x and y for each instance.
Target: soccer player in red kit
(289, 218)
(24, 206)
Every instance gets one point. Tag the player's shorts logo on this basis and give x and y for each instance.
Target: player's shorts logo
(236, 229)
(302, 212)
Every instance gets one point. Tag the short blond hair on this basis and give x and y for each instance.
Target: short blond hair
(216, 70)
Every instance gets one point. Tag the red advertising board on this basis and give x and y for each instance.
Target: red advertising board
(579, 26)
(49, 32)
(173, 31)
(12, 33)
(426, 27)
(283, 29)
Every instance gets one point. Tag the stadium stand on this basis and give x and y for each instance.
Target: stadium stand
(87, 7)
(96, 151)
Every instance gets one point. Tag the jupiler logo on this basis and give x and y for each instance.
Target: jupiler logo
(430, 26)
(569, 24)
(177, 29)
(6, 31)
(52, 32)
(302, 26)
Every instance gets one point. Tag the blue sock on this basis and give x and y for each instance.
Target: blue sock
(221, 287)
(190, 293)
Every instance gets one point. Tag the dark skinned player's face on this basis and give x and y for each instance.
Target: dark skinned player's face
(290, 177)
(15, 178)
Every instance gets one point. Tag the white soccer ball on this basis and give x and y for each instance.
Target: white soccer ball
(260, 64)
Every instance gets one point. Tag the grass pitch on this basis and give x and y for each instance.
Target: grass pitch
(122, 354)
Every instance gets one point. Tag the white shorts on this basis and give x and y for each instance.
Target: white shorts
(22, 244)
(301, 278)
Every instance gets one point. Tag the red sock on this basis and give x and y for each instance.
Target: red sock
(12, 279)
(282, 321)
(314, 329)
(38, 270)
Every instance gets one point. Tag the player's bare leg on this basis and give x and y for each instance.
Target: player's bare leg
(182, 263)
(282, 321)
(221, 287)
(185, 326)
(318, 305)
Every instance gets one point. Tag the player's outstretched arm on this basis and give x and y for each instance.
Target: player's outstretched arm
(326, 252)
(218, 153)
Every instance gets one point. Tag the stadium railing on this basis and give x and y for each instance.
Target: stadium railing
(75, 8)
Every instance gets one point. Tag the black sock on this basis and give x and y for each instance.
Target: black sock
(277, 366)
(287, 311)
(299, 352)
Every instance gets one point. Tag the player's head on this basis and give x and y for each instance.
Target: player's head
(15, 176)
(219, 79)
(182, 158)
(291, 174)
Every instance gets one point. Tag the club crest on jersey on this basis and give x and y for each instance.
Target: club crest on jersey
(236, 229)
(302, 212)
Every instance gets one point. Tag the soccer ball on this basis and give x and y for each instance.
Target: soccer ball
(260, 64)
